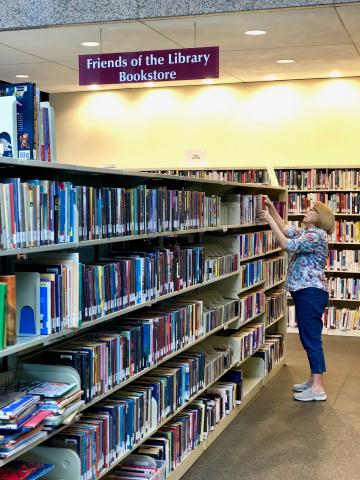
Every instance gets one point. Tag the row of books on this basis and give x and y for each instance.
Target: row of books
(339, 202)
(216, 308)
(27, 125)
(62, 292)
(343, 260)
(251, 273)
(272, 351)
(115, 212)
(29, 408)
(241, 209)
(319, 178)
(247, 340)
(34, 213)
(251, 305)
(274, 271)
(107, 358)
(226, 175)
(345, 231)
(175, 440)
(124, 418)
(43, 212)
(257, 243)
(218, 261)
(37, 212)
(344, 288)
(342, 318)
(275, 302)
(345, 319)
(139, 467)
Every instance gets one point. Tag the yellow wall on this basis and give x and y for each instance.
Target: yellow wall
(292, 123)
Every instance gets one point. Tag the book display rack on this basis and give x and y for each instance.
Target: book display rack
(134, 306)
(339, 188)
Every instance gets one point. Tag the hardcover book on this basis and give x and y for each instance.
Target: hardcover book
(8, 127)
(24, 94)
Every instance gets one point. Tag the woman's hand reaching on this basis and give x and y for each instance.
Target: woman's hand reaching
(267, 201)
(264, 216)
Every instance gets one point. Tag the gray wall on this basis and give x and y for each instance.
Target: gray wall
(17, 14)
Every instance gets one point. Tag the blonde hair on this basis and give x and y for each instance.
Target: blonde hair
(326, 218)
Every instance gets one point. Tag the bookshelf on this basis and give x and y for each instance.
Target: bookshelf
(217, 248)
(339, 188)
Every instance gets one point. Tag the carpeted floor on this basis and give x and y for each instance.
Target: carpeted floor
(276, 438)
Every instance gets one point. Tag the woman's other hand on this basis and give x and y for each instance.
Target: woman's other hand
(264, 216)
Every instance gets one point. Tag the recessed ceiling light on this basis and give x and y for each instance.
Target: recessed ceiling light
(255, 33)
(335, 74)
(22, 76)
(208, 81)
(90, 44)
(94, 87)
(270, 77)
(285, 61)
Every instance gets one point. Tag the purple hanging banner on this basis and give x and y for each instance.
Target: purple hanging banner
(149, 66)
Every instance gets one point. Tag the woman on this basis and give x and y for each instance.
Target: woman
(307, 284)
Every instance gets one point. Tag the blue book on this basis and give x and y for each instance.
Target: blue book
(17, 406)
(25, 113)
(62, 213)
(45, 306)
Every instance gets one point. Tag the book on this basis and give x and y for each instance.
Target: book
(52, 389)
(8, 127)
(3, 295)
(20, 470)
(24, 94)
(10, 281)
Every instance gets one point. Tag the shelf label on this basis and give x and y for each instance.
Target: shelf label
(149, 66)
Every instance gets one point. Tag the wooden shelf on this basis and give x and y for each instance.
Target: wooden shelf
(348, 272)
(274, 322)
(325, 190)
(245, 289)
(331, 331)
(336, 214)
(259, 255)
(274, 285)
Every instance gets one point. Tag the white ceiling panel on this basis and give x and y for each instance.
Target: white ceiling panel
(53, 44)
(297, 27)
(136, 36)
(10, 56)
(64, 44)
(43, 74)
(350, 15)
(306, 59)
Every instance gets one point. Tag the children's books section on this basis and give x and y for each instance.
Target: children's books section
(139, 313)
(339, 189)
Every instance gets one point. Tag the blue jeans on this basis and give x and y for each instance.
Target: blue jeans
(310, 304)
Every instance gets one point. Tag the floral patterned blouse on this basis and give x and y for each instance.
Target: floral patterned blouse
(307, 248)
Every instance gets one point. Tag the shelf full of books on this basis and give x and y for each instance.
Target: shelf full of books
(339, 189)
(161, 306)
(227, 174)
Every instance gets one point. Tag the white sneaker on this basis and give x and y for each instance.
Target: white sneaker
(300, 387)
(308, 396)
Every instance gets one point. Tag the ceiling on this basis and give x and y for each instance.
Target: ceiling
(321, 40)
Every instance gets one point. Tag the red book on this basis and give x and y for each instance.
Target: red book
(36, 419)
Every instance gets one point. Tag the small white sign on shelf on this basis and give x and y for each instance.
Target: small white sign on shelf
(196, 158)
